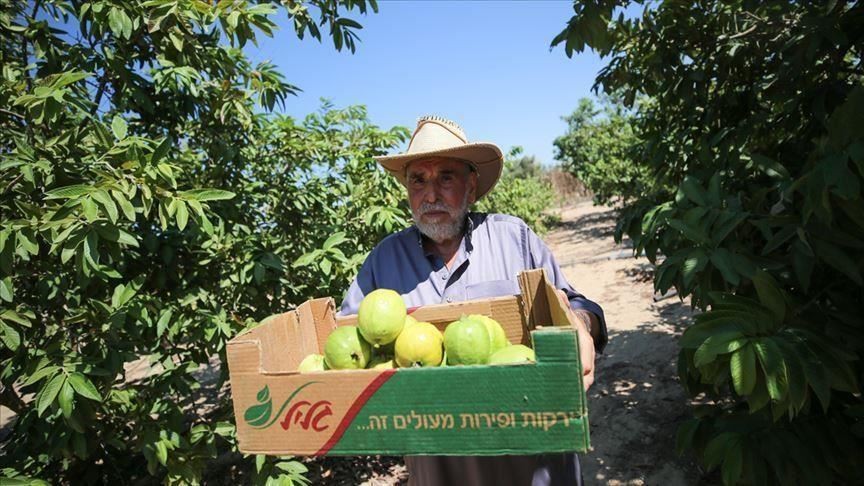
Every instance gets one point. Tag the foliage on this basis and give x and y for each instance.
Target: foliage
(599, 147)
(754, 140)
(151, 211)
(521, 192)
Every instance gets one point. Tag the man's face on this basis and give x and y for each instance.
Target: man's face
(440, 191)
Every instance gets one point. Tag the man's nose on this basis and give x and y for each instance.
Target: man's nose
(432, 195)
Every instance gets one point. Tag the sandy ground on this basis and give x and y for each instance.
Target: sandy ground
(636, 401)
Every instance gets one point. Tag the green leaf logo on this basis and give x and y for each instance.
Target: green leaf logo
(257, 415)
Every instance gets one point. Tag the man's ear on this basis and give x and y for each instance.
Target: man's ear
(472, 187)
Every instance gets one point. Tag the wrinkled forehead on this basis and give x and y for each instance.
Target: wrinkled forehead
(436, 165)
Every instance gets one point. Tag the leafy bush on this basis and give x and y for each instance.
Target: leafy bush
(521, 192)
(150, 212)
(599, 149)
(754, 140)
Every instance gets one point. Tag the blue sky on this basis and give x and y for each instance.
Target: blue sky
(485, 64)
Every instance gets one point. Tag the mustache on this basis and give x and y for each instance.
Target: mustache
(430, 207)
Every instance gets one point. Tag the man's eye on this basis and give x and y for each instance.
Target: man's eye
(416, 180)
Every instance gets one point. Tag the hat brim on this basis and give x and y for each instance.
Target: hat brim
(487, 158)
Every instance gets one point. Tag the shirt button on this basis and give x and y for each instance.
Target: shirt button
(449, 299)
(443, 277)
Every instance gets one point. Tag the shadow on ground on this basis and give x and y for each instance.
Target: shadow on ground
(636, 405)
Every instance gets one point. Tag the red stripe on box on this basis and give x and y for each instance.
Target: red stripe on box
(411, 310)
(361, 400)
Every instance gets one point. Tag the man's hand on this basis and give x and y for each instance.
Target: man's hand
(583, 326)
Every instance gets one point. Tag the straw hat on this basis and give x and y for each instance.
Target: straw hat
(437, 137)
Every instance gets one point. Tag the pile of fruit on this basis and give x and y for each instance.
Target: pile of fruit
(387, 337)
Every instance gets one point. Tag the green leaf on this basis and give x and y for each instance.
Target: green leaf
(773, 366)
(68, 192)
(694, 263)
(105, 200)
(769, 166)
(694, 192)
(732, 464)
(84, 387)
(182, 214)
(162, 452)
(716, 449)
(325, 265)
(7, 291)
(721, 343)
(834, 256)
(163, 322)
(11, 315)
(207, 195)
(46, 396)
(40, 374)
(125, 205)
(10, 337)
(770, 295)
(66, 399)
(742, 367)
(305, 259)
(721, 258)
(119, 127)
(334, 240)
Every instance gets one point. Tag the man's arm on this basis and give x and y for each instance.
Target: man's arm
(586, 310)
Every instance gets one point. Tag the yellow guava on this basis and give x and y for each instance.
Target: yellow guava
(381, 364)
(517, 353)
(346, 350)
(381, 316)
(311, 363)
(419, 344)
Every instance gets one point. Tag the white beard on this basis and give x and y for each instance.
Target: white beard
(447, 230)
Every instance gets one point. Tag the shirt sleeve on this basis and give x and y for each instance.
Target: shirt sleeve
(541, 257)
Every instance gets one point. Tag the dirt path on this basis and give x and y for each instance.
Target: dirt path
(636, 401)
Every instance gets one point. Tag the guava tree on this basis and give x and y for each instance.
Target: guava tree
(753, 138)
(151, 208)
(599, 149)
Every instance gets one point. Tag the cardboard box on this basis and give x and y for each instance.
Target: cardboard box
(457, 410)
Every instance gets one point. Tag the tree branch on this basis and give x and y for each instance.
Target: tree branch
(11, 400)
(12, 113)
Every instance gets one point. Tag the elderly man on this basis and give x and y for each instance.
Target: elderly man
(452, 255)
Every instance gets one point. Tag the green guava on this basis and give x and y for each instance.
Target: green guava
(381, 316)
(311, 363)
(467, 342)
(517, 353)
(497, 337)
(409, 320)
(419, 344)
(346, 350)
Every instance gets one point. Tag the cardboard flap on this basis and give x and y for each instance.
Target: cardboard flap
(317, 318)
(535, 305)
(543, 305)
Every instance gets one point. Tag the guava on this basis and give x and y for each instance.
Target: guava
(346, 350)
(381, 316)
(517, 353)
(467, 342)
(311, 363)
(497, 337)
(409, 320)
(419, 344)
(381, 364)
